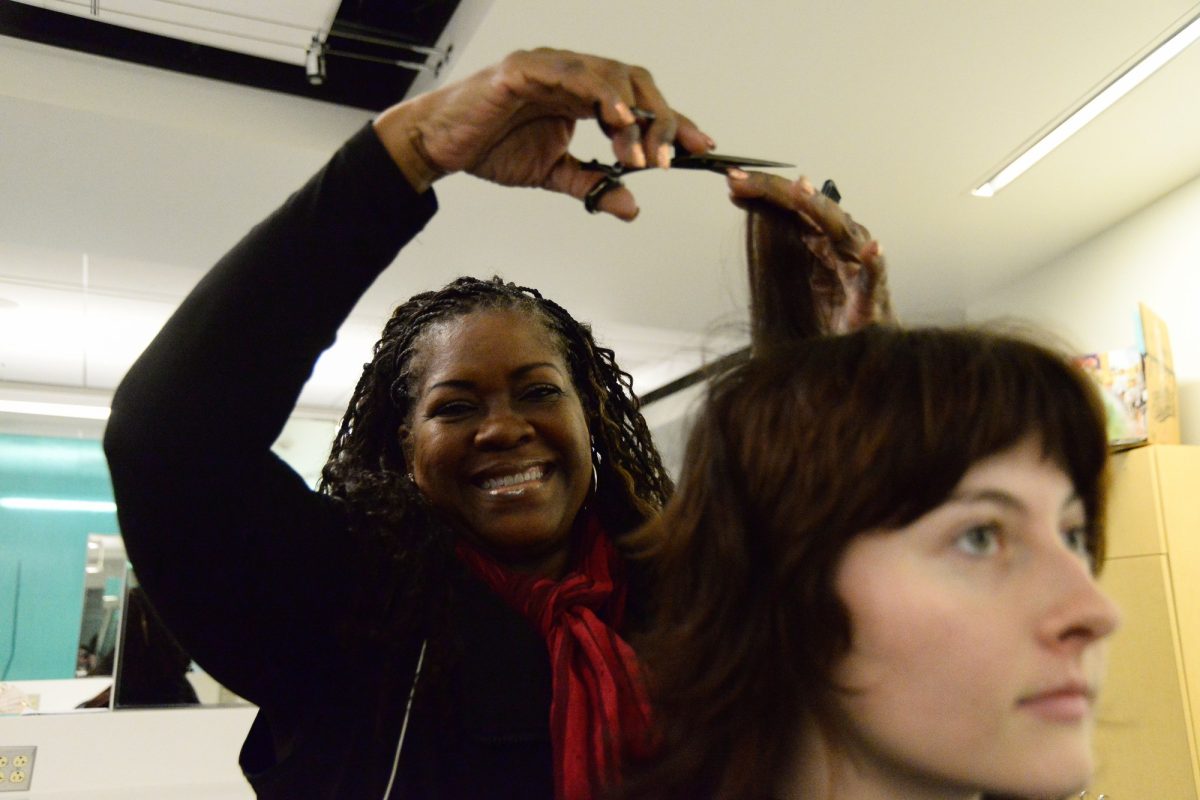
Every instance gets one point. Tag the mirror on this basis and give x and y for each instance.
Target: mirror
(151, 668)
(55, 500)
(75, 621)
(103, 587)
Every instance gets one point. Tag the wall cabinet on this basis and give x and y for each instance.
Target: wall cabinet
(1149, 712)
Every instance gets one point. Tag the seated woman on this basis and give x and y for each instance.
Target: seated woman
(876, 578)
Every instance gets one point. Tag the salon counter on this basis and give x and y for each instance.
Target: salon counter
(153, 754)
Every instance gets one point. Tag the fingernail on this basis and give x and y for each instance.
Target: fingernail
(624, 113)
(638, 156)
(806, 187)
(709, 141)
(664, 155)
(737, 174)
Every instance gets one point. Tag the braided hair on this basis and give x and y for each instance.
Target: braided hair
(368, 471)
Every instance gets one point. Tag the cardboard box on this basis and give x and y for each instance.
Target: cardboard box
(1138, 386)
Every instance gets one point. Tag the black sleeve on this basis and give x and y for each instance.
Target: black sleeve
(247, 565)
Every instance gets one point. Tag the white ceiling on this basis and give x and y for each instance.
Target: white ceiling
(148, 176)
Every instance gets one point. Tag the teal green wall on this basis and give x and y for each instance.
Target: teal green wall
(50, 549)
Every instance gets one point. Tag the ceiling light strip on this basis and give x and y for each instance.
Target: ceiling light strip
(69, 410)
(1093, 108)
(52, 504)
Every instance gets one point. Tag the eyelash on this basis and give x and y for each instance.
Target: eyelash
(1077, 539)
(453, 408)
(543, 391)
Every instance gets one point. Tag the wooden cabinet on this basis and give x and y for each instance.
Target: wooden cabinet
(1149, 713)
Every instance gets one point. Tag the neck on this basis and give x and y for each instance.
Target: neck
(823, 768)
(541, 563)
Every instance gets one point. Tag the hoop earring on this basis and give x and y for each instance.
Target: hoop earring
(596, 459)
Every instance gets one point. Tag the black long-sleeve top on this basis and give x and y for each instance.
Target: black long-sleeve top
(254, 572)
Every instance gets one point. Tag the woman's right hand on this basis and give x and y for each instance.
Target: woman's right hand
(512, 124)
(844, 275)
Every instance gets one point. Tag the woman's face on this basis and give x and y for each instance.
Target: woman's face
(977, 639)
(497, 438)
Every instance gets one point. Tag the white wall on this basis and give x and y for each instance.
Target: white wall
(1089, 295)
(179, 754)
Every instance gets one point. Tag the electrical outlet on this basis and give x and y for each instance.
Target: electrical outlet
(16, 768)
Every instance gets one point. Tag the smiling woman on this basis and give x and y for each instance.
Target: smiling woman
(876, 594)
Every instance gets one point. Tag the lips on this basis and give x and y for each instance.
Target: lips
(1071, 702)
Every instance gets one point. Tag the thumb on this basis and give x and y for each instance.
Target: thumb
(568, 177)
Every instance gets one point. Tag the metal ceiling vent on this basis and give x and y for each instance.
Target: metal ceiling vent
(365, 53)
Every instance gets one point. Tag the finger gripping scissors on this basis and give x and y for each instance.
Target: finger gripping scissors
(710, 162)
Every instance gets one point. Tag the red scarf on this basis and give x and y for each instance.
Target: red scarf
(598, 701)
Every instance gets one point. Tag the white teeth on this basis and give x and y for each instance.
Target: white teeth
(531, 474)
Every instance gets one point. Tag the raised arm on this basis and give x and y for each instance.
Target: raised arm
(239, 556)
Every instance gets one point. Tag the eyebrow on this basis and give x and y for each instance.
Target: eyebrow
(1001, 497)
(458, 383)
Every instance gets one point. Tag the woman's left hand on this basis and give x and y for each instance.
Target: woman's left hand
(849, 285)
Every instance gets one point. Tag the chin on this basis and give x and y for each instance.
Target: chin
(1048, 779)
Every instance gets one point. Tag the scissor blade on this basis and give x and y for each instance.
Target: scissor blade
(719, 163)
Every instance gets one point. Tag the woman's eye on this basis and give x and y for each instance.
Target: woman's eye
(1077, 539)
(454, 408)
(979, 540)
(543, 391)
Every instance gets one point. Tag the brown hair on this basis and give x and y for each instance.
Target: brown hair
(796, 452)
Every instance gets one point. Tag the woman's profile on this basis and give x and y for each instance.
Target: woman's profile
(876, 578)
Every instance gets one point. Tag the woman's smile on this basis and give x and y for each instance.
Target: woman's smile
(510, 481)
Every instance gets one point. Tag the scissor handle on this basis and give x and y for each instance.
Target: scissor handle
(614, 171)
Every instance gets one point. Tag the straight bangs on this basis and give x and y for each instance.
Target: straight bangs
(930, 403)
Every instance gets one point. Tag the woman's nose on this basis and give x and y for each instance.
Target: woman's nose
(1082, 612)
(502, 427)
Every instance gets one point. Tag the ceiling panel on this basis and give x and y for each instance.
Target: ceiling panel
(280, 30)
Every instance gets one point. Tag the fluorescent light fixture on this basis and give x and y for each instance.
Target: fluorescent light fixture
(73, 411)
(1110, 94)
(51, 504)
